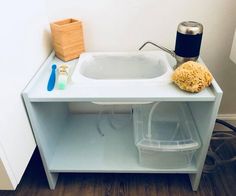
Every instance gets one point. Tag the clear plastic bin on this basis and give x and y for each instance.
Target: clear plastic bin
(165, 135)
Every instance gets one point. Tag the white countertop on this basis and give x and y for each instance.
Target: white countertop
(36, 90)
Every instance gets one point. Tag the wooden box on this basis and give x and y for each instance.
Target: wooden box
(67, 38)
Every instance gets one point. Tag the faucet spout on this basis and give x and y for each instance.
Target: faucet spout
(172, 53)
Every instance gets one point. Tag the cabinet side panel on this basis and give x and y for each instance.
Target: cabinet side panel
(204, 114)
(50, 118)
(47, 121)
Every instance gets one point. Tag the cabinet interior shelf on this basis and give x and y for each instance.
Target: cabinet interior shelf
(81, 148)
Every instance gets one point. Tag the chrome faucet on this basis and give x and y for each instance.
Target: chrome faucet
(171, 52)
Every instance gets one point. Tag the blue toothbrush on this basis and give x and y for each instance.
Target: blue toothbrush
(52, 79)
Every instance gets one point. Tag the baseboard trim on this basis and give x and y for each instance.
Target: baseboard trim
(230, 117)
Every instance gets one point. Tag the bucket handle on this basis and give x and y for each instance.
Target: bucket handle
(149, 135)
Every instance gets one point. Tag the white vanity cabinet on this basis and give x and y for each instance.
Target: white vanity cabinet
(75, 135)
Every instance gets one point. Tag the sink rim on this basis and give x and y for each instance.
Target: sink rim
(121, 66)
(83, 79)
(83, 56)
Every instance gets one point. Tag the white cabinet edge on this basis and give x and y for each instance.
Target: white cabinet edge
(7, 178)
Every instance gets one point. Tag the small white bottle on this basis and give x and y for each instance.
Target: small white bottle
(63, 74)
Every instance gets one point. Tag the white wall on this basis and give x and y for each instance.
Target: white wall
(25, 44)
(111, 25)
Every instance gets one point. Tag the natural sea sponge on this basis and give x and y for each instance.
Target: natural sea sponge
(192, 76)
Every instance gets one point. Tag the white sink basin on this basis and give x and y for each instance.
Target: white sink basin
(122, 68)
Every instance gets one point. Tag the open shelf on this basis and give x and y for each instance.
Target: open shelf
(81, 148)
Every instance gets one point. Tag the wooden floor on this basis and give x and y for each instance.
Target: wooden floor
(34, 183)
